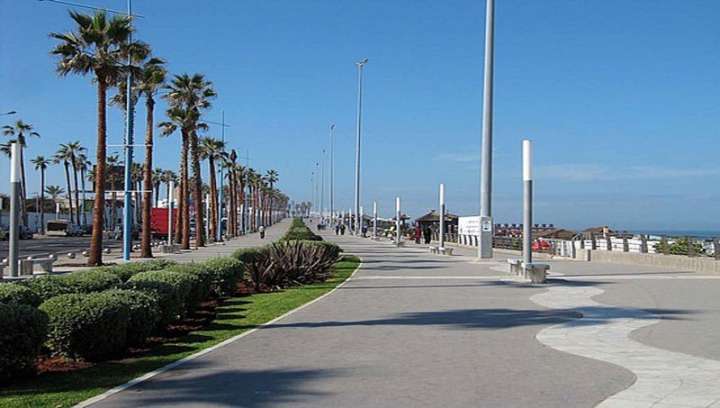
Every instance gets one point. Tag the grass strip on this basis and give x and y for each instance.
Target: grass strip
(234, 316)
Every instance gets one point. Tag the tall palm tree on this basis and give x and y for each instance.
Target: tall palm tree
(41, 164)
(212, 150)
(271, 177)
(98, 46)
(20, 132)
(75, 150)
(65, 156)
(188, 96)
(113, 161)
(54, 192)
(156, 182)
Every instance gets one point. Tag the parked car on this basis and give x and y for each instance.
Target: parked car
(63, 228)
(25, 232)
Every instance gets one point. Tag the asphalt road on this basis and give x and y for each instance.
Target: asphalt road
(56, 245)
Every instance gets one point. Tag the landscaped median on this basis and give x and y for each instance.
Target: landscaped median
(68, 338)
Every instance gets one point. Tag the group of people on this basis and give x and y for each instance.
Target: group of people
(423, 233)
(340, 229)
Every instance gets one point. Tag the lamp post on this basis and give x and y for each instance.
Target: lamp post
(360, 65)
(332, 172)
(221, 193)
(129, 140)
(485, 249)
(527, 202)
(14, 208)
(171, 187)
(442, 216)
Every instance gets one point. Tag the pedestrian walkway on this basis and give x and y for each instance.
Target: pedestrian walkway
(411, 329)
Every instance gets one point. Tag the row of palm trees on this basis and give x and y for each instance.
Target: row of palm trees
(100, 46)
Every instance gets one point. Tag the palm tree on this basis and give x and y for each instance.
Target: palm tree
(99, 46)
(212, 150)
(54, 192)
(187, 97)
(19, 132)
(65, 156)
(112, 161)
(75, 150)
(271, 177)
(156, 181)
(41, 163)
(83, 164)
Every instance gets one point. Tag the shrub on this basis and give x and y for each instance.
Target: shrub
(144, 313)
(299, 231)
(171, 288)
(300, 262)
(47, 287)
(126, 271)
(11, 293)
(225, 273)
(92, 326)
(202, 287)
(249, 255)
(333, 250)
(23, 332)
(93, 280)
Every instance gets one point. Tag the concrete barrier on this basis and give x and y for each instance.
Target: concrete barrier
(680, 262)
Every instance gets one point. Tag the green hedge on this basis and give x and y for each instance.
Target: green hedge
(126, 271)
(23, 332)
(144, 313)
(300, 232)
(47, 287)
(249, 255)
(94, 280)
(202, 287)
(225, 272)
(333, 249)
(11, 293)
(92, 326)
(172, 289)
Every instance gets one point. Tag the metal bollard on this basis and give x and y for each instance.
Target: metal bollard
(71, 255)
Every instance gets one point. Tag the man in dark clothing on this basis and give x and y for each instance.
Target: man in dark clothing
(337, 229)
(428, 235)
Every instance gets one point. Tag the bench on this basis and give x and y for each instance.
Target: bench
(515, 266)
(27, 265)
(536, 272)
(445, 251)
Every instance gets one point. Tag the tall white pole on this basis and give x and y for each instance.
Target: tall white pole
(485, 249)
(527, 201)
(322, 186)
(171, 188)
(397, 221)
(129, 141)
(360, 66)
(332, 173)
(361, 222)
(14, 208)
(374, 219)
(442, 216)
(207, 215)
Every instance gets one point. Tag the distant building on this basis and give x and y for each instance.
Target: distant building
(432, 220)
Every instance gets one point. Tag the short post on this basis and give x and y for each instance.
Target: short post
(397, 221)
(527, 202)
(14, 208)
(374, 219)
(442, 216)
(171, 187)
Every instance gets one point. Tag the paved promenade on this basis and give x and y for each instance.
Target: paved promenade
(412, 329)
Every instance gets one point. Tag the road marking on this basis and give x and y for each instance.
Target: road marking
(664, 378)
(201, 353)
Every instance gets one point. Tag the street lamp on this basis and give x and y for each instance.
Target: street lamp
(332, 170)
(218, 229)
(360, 65)
(485, 249)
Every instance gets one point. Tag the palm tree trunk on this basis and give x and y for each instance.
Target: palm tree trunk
(185, 192)
(213, 199)
(95, 257)
(241, 195)
(197, 192)
(232, 216)
(145, 245)
(77, 193)
(23, 193)
(69, 191)
(42, 201)
(82, 183)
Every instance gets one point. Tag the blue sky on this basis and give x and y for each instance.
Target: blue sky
(620, 98)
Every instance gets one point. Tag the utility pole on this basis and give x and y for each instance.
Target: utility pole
(485, 249)
(332, 174)
(527, 202)
(360, 66)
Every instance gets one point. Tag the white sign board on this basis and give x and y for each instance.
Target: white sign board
(469, 226)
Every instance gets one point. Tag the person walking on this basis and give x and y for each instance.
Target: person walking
(342, 229)
(428, 235)
(337, 229)
(418, 234)
(262, 231)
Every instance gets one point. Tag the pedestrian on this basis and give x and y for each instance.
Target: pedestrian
(342, 229)
(364, 231)
(418, 234)
(262, 232)
(337, 229)
(428, 235)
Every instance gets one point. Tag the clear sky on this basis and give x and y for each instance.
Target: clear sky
(619, 96)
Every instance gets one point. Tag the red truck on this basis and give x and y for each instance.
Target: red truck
(159, 221)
